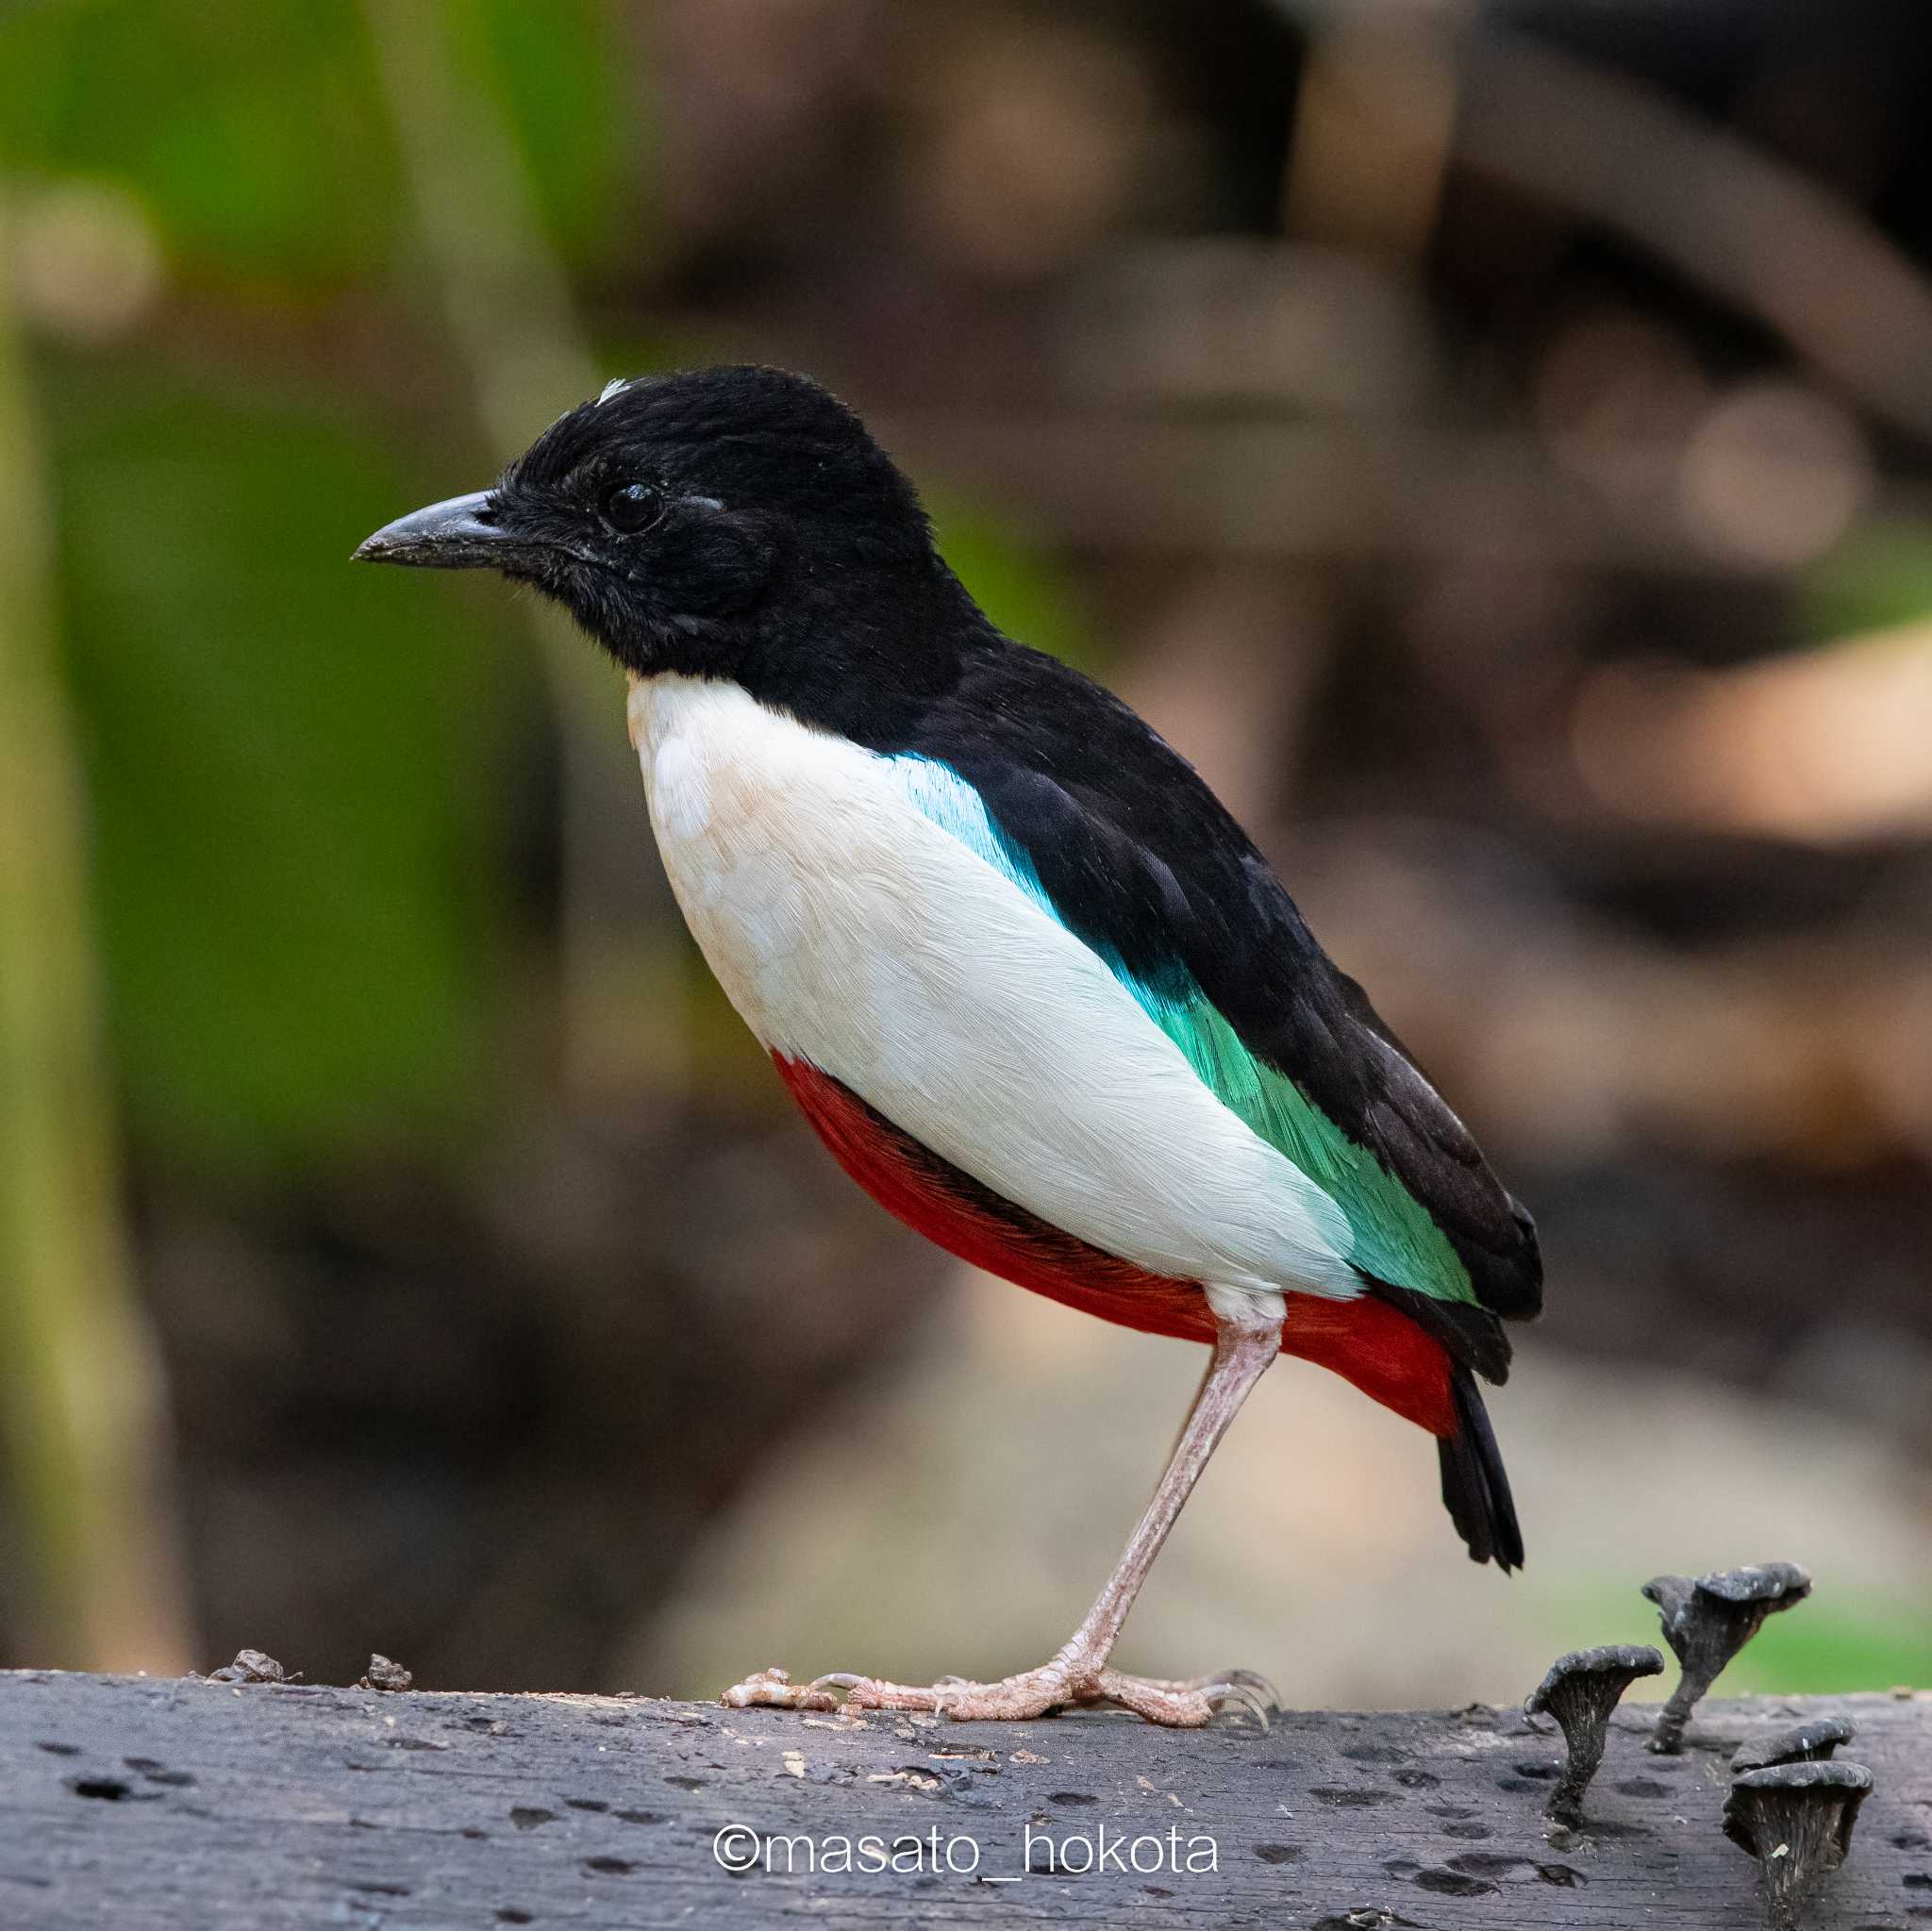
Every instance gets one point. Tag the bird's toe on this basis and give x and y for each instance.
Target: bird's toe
(774, 1689)
(1193, 1703)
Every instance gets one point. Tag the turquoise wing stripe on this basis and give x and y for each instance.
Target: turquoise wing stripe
(1395, 1238)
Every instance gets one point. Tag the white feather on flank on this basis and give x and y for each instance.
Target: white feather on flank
(850, 931)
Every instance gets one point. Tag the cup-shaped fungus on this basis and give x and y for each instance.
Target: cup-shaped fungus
(1707, 1621)
(1796, 1819)
(1811, 1742)
(1580, 1692)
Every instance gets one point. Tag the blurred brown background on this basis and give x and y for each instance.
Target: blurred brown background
(1492, 441)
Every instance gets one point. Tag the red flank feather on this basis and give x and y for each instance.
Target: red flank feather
(1366, 1342)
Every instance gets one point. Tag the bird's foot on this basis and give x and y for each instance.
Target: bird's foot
(1184, 1705)
(1192, 1701)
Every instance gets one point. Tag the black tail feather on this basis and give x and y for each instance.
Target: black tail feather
(1476, 1490)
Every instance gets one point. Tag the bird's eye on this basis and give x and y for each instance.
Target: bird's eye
(633, 506)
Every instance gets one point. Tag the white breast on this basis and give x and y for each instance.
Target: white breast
(852, 932)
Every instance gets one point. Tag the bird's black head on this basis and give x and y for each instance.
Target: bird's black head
(734, 522)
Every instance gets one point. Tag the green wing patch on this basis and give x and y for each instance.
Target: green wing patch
(1395, 1238)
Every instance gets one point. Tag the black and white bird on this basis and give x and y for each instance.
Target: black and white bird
(1033, 986)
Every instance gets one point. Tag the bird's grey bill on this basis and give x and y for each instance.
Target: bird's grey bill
(460, 533)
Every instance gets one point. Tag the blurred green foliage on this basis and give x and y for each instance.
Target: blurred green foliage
(1823, 1648)
(1881, 575)
(297, 771)
(296, 768)
(255, 133)
(292, 764)
(1014, 576)
(565, 71)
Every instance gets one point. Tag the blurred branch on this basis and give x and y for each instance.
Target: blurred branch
(508, 310)
(505, 297)
(80, 1395)
(1726, 215)
(1263, 488)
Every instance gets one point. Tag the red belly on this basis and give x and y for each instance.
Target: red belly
(1366, 1342)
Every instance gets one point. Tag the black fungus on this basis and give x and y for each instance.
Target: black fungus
(1580, 1692)
(1811, 1742)
(1707, 1621)
(1796, 1819)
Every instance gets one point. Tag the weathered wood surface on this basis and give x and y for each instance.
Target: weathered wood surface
(133, 1803)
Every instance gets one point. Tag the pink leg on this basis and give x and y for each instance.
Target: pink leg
(1078, 1671)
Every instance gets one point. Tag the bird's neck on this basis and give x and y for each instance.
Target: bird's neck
(865, 653)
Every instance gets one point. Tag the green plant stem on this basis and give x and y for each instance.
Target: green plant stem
(81, 1410)
(508, 314)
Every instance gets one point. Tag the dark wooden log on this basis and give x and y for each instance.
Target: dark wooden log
(133, 1803)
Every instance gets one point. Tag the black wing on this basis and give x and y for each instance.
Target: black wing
(1147, 866)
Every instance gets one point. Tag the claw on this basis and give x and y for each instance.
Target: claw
(1229, 1694)
(1254, 1680)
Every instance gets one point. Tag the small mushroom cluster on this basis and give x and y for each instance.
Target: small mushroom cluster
(1706, 1621)
(1790, 1805)
(1792, 1808)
